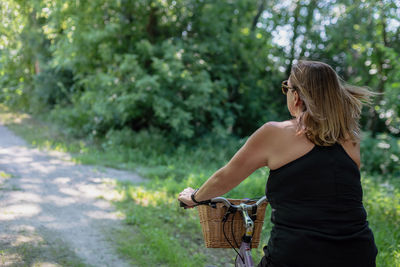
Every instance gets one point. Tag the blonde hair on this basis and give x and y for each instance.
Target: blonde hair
(331, 108)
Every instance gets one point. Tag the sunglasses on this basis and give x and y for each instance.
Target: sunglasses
(286, 87)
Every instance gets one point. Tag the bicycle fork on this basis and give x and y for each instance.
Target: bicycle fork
(244, 258)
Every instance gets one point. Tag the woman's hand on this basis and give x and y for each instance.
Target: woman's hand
(185, 197)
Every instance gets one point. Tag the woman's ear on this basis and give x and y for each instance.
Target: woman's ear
(297, 99)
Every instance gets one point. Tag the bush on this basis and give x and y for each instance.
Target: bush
(380, 155)
(75, 121)
(51, 87)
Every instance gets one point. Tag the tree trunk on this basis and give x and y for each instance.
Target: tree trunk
(382, 72)
(257, 16)
(151, 27)
(309, 19)
(294, 38)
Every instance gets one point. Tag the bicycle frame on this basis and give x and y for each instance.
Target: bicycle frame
(245, 253)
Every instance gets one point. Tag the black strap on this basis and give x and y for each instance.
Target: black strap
(198, 202)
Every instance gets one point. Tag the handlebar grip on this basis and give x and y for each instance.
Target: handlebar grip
(183, 205)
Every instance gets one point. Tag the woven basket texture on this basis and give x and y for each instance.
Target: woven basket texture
(212, 225)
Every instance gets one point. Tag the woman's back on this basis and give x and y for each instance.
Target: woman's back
(317, 210)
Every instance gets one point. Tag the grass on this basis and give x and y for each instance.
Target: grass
(163, 234)
(172, 231)
(382, 202)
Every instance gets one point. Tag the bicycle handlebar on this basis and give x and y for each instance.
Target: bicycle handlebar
(229, 204)
(240, 206)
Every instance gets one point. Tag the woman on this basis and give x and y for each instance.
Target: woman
(314, 184)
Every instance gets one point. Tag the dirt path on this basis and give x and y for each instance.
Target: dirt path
(54, 212)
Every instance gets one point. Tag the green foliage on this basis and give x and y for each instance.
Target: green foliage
(139, 66)
(381, 155)
(382, 202)
(52, 87)
(189, 68)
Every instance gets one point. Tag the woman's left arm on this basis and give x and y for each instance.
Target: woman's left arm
(250, 157)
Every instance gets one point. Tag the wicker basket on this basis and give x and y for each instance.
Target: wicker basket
(211, 223)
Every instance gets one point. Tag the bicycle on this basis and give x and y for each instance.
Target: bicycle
(243, 258)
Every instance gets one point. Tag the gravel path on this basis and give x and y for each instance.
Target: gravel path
(54, 212)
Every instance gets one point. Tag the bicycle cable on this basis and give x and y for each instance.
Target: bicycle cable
(233, 232)
(226, 238)
(225, 219)
(234, 239)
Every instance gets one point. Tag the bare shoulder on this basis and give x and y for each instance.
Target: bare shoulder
(285, 144)
(278, 127)
(271, 133)
(353, 150)
(280, 124)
